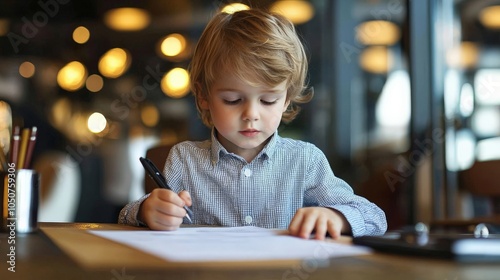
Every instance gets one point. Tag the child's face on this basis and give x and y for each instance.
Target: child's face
(244, 115)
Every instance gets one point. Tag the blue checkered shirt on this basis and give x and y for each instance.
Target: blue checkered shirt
(285, 176)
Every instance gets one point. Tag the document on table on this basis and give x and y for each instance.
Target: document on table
(247, 243)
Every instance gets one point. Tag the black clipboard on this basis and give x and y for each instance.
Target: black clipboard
(458, 247)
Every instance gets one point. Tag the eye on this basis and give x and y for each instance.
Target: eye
(231, 102)
(265, 102)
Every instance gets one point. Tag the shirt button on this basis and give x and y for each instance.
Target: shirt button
(247, 172)
(248, 219)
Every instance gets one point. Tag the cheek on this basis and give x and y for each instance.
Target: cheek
(278, 117)
(221, 116)
(217, 116)
(217, 111)
(274, 118)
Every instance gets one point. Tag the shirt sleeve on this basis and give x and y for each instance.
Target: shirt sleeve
(326, 190)
(128, 215)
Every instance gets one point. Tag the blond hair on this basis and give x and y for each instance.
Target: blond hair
(251, 43)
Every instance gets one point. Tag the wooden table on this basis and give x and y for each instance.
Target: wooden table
(45, 255)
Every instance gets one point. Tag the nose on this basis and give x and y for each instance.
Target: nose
(250, 112)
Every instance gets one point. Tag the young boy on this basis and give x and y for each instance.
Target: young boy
(248, 74)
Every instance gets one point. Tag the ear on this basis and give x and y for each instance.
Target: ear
(204, 104)
(287, 103)
(202, 100)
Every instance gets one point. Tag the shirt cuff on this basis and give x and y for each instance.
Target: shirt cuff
(364, 221)
(128, 215)
(354, 218)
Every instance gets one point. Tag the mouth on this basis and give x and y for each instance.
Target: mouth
(249, 132)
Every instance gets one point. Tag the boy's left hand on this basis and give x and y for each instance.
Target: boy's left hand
(320, 220)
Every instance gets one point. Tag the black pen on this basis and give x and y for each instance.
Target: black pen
(156, 175)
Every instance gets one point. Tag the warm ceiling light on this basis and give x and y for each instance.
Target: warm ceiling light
(378, 32)
(81, 35)
(127, 19)
(27, 69)
(114, 63)
(490, 17)
(175, 83)
(94, 83)
(4, 26)
(173, 45)
(464, 55)
(150, 115)
(60, 113)
(295, 10)
(72, 76)
(376, 59)
(470, 54)
(234, 7)
(96, 122)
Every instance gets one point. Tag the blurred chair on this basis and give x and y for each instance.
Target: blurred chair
(482, 182)
(387, 194)
(60, 187)
(158, 155)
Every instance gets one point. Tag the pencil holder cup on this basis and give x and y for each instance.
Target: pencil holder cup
(20, 195)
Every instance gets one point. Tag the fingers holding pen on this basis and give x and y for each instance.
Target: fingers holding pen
(171, 203)
(163, 209)
(184, 195)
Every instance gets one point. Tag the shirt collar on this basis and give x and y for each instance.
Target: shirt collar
(217, 150)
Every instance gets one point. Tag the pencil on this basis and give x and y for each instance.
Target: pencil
(31, 146)
(22, 148)
(14, 146)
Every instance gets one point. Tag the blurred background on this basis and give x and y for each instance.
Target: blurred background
(407, 96)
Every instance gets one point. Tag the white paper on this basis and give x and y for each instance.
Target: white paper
(202, 244)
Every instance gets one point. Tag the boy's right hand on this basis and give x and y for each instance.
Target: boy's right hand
(163, 209)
